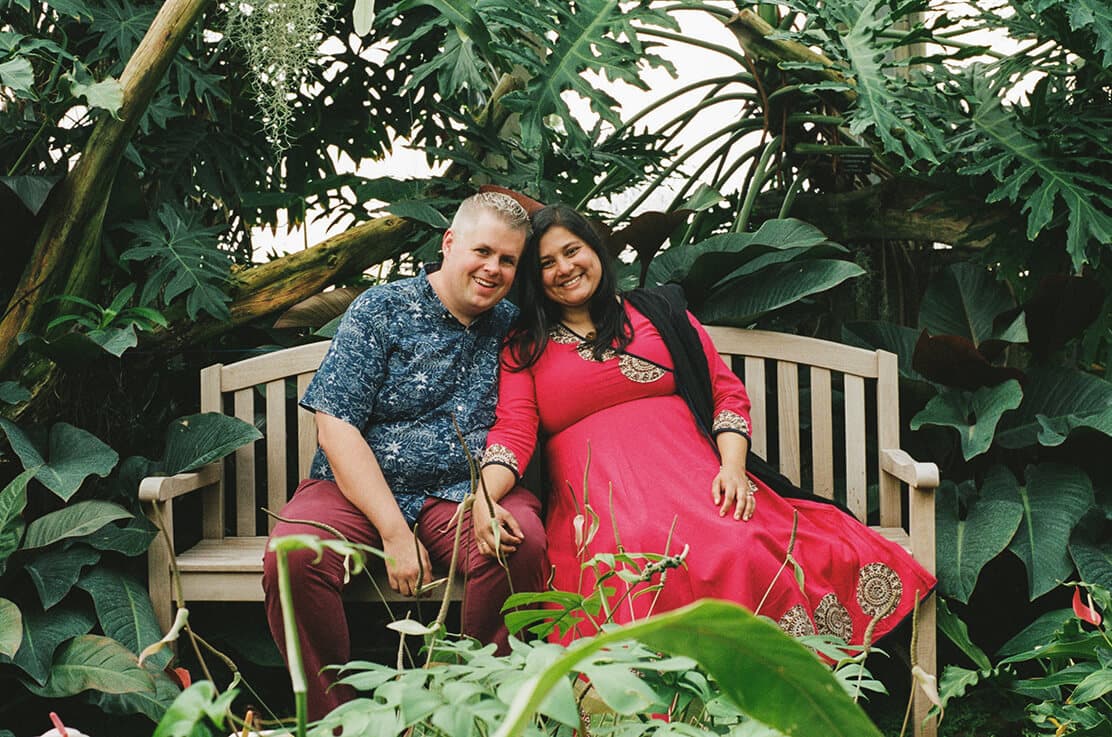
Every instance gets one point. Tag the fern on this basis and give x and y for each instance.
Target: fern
(183, 259)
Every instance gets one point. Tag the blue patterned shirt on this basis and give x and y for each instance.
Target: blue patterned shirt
(398, 368)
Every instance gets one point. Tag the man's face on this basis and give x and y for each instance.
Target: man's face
(480, 260)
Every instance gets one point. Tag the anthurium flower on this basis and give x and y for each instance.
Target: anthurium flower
(1083, 612)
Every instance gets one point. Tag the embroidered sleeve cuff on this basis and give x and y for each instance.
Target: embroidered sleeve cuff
(728, 421)
(500, 455)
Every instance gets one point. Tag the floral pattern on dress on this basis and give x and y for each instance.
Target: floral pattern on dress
(727, 420)
(634, 368)
(501, 455)
(879, 590)
(796, 623)
(831, 618)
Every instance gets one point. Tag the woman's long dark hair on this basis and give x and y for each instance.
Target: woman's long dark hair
(529, 337)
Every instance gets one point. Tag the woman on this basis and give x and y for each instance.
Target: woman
(645, 428)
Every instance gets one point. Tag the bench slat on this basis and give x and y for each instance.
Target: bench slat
(245, 466)
(787, 399)
(275, 447)
(755, 385)
(822, 433)
(856, 481)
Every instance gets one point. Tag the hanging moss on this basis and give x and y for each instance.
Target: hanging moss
(280, 39)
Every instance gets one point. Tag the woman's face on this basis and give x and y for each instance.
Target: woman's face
(570, 269)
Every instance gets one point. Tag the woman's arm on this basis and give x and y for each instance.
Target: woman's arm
(510, 445)
(730, 490)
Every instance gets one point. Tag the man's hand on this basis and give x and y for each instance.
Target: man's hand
(509, 534)
(410, 559)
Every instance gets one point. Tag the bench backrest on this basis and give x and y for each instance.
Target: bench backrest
(811, 399)
(831, 403)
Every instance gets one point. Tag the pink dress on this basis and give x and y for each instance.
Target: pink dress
(623, 452)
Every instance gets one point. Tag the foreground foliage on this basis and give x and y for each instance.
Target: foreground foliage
(861, 135)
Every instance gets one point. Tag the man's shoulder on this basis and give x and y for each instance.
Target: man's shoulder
(388, 295)
(503, 315)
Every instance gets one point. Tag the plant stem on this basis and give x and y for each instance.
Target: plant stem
(293, 646)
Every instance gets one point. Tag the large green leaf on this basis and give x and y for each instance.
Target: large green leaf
(151, 704)
(124, 609)
(1052, 396)
(94, 662)
(1055, 431)
(43, 632)
(75, 520)
(1094, 562)
(17, 75)
(973, 414)
(1054, 499)
(132, 539)
(742, 301)
(767, 674)
(193, 441)
(13, 499)
(1094, 686)
(11, 627)
(12, 392)
(964, 300)
(54, 572)
(958, 633)
(74, 455)
(31, 190)
(966, 545)
(1036, 634)
(702, 264)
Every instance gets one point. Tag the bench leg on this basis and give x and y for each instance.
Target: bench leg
(158, 567)
(927, 659)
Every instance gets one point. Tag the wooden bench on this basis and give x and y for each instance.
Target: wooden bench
(848, 428)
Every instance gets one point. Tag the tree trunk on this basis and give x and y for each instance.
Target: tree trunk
(71, 233)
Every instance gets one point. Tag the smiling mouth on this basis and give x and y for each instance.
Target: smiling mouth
(485, 283)
(572, 282)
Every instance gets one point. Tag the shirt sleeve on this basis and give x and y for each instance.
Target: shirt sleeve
(354, 368)
(731, 400)
(513, 438)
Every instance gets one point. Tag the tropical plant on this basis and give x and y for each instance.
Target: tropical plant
(1066, 691)
(53, 556)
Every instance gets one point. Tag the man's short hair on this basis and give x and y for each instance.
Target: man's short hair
(502, 206)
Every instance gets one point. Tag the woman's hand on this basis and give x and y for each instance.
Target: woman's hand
(509, 533)
(731, 489)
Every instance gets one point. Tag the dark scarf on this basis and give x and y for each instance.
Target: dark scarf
(666, 308)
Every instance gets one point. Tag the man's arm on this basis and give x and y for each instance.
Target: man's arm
(360, 479)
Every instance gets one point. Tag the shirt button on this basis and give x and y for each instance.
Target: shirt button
(459, 408)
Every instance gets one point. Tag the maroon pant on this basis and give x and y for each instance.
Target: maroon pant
(321, 623)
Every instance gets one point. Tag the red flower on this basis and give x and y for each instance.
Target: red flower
(1083, 612)
(180, 676)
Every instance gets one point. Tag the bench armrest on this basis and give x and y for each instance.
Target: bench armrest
(913, 473)
(164, 488)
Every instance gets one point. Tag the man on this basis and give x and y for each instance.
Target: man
(409, 357)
